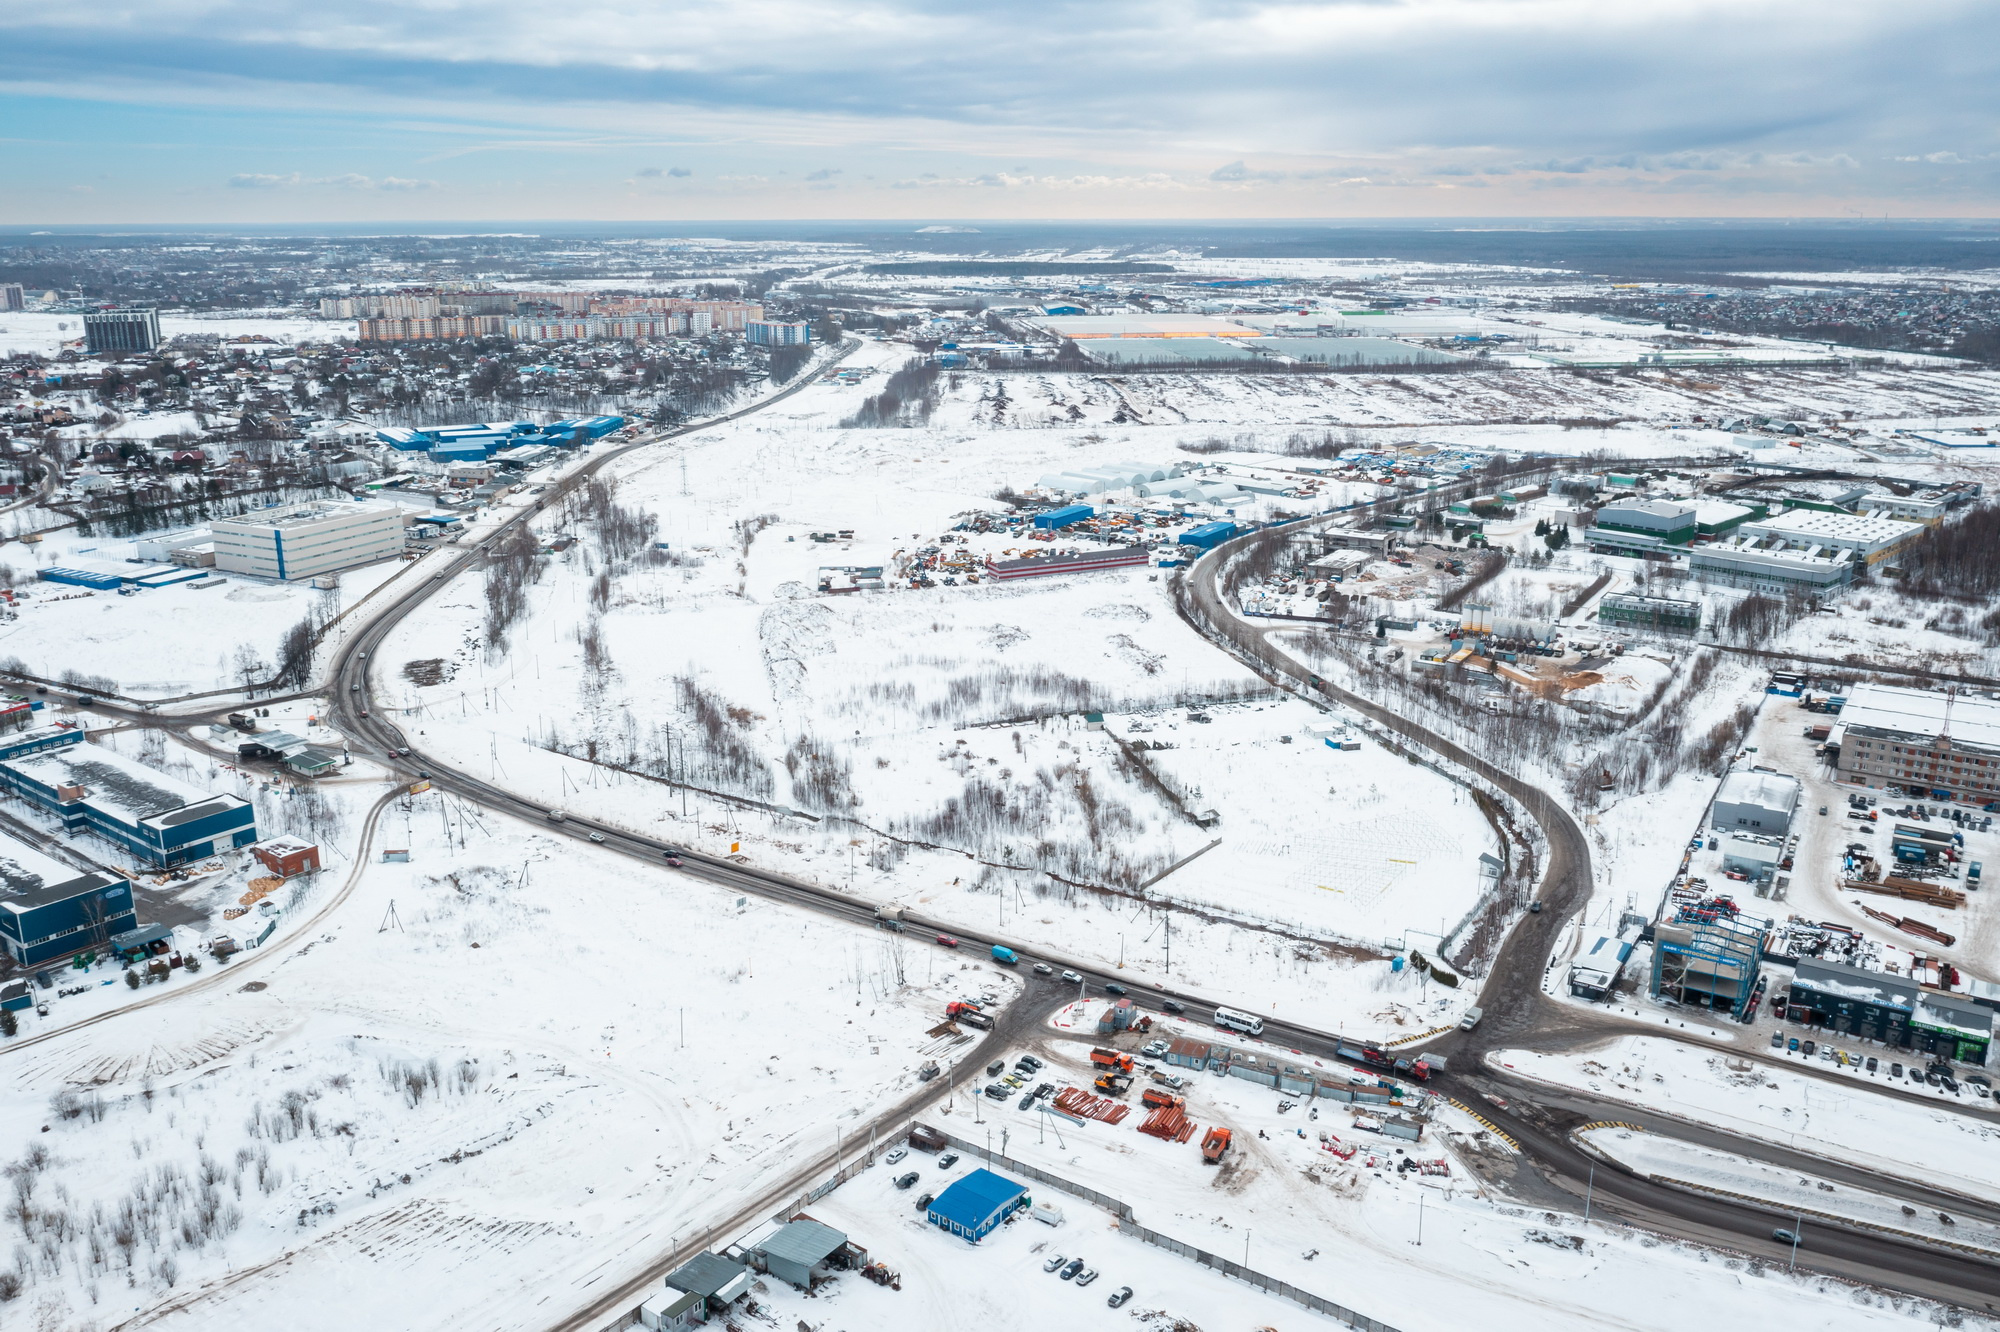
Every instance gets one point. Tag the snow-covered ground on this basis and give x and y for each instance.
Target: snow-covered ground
(164, 641)
(1671, 1159)
(1859, 1125)
(500, 1072)
(1418, 1251)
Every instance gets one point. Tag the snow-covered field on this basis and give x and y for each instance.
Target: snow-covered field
(499, 1073)
(162, 641)
(1860, 1126)
(932, 746)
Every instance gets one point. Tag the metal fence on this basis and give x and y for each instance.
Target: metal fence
(1126, 1225)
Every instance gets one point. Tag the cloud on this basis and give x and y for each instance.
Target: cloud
(1023, 98)
(824, 173)
(351, 180)
(1237, 173)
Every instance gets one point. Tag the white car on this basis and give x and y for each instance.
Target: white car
(1073, 977)
(896, 1155)
(1155, 1050)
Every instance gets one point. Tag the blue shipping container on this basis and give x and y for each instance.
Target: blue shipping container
(1063, 517)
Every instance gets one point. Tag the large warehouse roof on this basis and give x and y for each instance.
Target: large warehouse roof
(1923, 713)
(1144, 326)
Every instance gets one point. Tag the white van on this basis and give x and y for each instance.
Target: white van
(1471, 1018)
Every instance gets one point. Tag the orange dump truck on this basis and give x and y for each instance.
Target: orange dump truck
(1214, 1144)
(1111, 1059)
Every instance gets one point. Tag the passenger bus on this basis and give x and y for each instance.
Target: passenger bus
(1235, 1021)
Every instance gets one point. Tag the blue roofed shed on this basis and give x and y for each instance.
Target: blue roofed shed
(973, 1206)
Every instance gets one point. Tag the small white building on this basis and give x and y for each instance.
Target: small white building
(299, 541)
(1756, 801)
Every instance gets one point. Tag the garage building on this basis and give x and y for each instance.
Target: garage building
(974, 1205)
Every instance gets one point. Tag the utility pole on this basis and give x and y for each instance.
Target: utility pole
(1420, 1220)
(1797, 1226)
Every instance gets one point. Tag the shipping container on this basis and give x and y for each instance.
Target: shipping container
(1056, 519)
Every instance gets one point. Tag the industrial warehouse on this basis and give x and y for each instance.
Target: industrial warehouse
(145, 813)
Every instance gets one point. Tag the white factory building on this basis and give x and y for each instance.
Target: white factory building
(1871, 536)
(305, 540)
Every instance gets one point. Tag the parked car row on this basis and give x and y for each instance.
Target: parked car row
(1073, 1269)
(1937, 1074)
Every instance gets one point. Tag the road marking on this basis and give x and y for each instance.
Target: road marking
(1490, 1126)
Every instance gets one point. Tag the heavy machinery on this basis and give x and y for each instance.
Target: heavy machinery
(960, 1011)
(1213, 1144)
(1112, 1059)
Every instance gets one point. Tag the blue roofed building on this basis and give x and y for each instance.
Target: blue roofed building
(974, 1205)
(146, 813)
(50, 910)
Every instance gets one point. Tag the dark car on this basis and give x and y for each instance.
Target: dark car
(948, 1160)
(1028, 1061)
(993, 1069)
(1119, 1297)
(904, 1181)
(1113, 987)
(1916, 1074)
(46, 981)
(924, 1202)
(998, 1091)
(1896, 1071)
(1171, 1006)
(1809, 1048)
(1027, 1102)
(1872, 1065)
(1075, 1266)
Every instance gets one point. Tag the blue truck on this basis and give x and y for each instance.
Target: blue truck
(1006, 955)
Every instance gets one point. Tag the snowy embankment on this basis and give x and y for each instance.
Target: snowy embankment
(1860, 1127)
(1672, 1160)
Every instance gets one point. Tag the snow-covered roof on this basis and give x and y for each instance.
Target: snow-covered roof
(1923, 712)
(1765, 790)
(1959, 1015)
(1845, 982)
(803, 1241)
(121, 787)
(29, 879)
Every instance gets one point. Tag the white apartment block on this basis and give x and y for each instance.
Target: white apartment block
(306, 540)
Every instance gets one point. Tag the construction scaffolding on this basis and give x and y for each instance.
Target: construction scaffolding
(1709, 963)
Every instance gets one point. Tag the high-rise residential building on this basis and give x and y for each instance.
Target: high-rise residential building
(112, 331)
(12, 296)
(303, 540)
(778, 332)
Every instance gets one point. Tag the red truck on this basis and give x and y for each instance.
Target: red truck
(960, 1011)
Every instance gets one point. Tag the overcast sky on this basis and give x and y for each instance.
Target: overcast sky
(280, 110)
